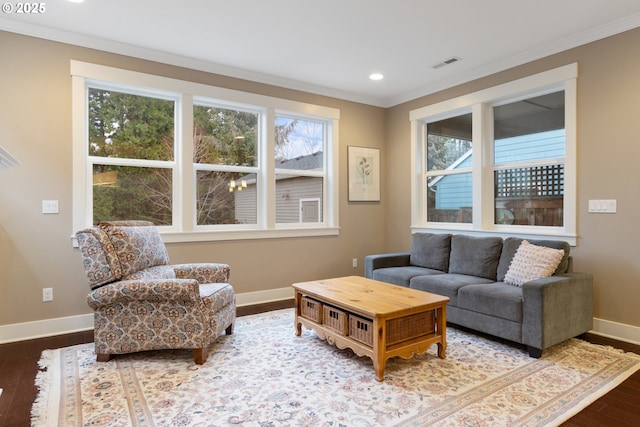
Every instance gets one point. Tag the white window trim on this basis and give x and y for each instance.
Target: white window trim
(562, 78)
(184, 228)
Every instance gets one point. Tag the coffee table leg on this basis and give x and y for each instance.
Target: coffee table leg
(441, 315)
(298, 298)
(379, 347)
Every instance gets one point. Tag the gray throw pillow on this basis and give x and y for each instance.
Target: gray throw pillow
(475, 256)
(431, 251)
(511, 245)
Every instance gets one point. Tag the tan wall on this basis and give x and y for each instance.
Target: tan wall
(608, 166)
(35, 249)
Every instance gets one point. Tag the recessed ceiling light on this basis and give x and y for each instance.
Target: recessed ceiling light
(76, 1)
(376, 76)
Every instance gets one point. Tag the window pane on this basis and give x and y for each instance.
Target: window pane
(299, 144)
(530, 196)
(130, 126)
(449, 143)
(530, 131)
(533, 115)
(224, 137)
(449, 198)
(298, 199)
(226, 198)
(128, 193)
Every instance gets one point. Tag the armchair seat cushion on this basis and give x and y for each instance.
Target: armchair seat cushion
(157, 272)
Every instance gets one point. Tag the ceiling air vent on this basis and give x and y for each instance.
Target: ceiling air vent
(446, 62)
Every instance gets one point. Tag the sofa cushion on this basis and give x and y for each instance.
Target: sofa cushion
(431, 251)
(511, 245)
(446, 285)
(532, 262)
(494, 299)
(475, 256)
(402, 275)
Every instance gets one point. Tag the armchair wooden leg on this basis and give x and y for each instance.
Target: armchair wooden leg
(101, 357)
(199, 355)
(229, 329)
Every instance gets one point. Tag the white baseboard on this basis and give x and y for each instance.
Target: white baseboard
(84, 322)
(617, 331)
(45, 328)
(260, 297)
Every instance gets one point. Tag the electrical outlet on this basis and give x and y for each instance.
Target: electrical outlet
(354, 262)
(47, 294)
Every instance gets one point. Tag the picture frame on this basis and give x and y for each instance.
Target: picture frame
(364, 174)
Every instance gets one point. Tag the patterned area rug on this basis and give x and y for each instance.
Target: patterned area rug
(263, 375)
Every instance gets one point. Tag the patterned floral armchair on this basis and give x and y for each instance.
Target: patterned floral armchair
(141, 302)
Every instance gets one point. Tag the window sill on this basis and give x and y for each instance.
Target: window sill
(220, 235)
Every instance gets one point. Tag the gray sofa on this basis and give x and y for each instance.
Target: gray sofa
(471, 271)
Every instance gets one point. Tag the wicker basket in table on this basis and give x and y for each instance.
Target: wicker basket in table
(409, 327)
(361, 329)
(311, 309)
(335, 319)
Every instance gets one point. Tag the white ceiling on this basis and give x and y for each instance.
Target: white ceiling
(330, 47)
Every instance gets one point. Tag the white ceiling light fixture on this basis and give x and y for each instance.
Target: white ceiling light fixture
(376, 76)
(76, 1)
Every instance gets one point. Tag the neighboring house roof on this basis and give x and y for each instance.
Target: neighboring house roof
(454, 165)
(308, 162)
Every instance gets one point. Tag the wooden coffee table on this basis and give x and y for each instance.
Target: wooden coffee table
(372, 318)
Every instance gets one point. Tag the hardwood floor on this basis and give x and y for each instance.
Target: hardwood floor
(19, 366)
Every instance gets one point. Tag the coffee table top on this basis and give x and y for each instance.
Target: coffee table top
(371, 297)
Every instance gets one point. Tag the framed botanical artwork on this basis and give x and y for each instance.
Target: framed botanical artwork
(364, 174)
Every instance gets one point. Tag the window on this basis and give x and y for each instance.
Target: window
(130, 151)
(449, 172)
(300, 170)
(501, 160)
(529, 155)
(225, 156)
(201, 162)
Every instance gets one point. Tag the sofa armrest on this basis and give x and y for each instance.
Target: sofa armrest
(372, 262)
(203, 272)
(125, 291)
(556, 308)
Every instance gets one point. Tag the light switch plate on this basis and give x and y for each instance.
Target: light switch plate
(603, 206)
(50, 207)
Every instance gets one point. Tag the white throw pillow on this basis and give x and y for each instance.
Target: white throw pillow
(532, 262)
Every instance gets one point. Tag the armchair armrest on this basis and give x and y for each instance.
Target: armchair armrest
(203, 272)
(372, 262)
(125, 291)
(556, 308)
